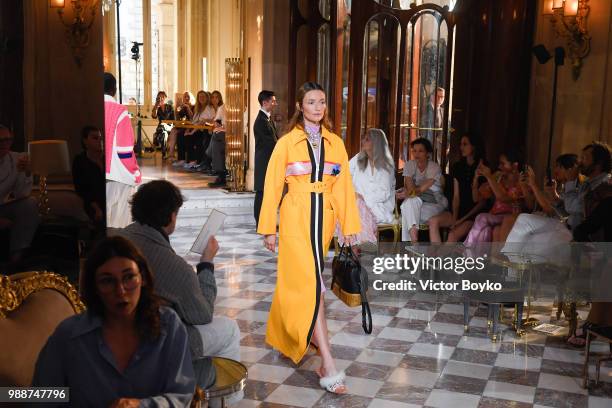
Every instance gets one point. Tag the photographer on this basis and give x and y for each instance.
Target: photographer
(162, 111)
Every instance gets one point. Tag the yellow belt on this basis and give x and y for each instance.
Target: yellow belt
(316, 187)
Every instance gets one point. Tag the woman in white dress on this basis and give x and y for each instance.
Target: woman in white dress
(373, 176)
(423, 192)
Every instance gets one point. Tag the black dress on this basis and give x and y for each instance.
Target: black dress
(464, 174)
(89, 184)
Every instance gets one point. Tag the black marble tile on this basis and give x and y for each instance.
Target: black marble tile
(356, 328)
(343, 315)
(561, 368)
(474, 356)
(303, 378)
(345, 352)
(559, 399)
(394, 346)
(384, 310)
(367, 370)
(262, 306)
(448, 318)
(456, 383)
(522, 349)
(411, 324)
(251, 294)
(421, 305)
(422, 363)
(330, 400)
(254, 340)
(410, 394)
(258, 390)
(436, 338)
(488, 402)
(275, 405)
(510, 375)
(277, 359)
(603, 389)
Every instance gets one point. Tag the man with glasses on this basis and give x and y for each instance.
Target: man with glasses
(18, 211)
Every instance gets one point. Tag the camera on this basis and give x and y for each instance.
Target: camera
(136, 50)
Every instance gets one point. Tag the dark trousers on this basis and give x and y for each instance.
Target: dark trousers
(204, 158)
(257, 206)
(180, 143)
(217, 153)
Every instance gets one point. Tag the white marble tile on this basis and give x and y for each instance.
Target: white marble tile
(269, 373)
(416, 314)
(455, 309)
(253, 315)
(561, 383)
(247, 403)
(252, 354)
(507, 391)
(380, 357)
(598, 402)
(314, 362)
(465, 369)
(478, 322)
(414, 377)
(382, 403)
(363, 386)
(446, 399)
(351, 340)
(262, 287)
(238, 303)
(445, 328)
(395, 333)
(518, 362)
(478, 343)
(438, 351)
(226, 292)
(335, 326)
(377, 320)
(296, 396)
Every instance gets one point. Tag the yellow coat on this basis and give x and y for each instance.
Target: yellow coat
(314, 202)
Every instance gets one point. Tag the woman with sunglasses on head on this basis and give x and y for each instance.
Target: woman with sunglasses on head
(126, 350)
(313, 163)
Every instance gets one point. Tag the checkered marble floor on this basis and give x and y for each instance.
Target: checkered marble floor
(416, 356)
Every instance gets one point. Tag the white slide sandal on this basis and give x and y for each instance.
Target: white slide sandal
(333, 383)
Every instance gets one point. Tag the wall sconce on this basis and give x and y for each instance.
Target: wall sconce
(569, 20)
(77, 31)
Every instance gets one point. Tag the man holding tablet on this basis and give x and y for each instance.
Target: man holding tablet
(191, 294)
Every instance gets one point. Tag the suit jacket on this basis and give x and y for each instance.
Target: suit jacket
(265, 140)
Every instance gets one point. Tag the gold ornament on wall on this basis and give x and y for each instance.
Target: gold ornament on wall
(77, 30)
(234, 106)
(569, 21)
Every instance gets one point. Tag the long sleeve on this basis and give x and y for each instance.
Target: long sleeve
(23, 185)
(344, 197)
(125, 147)
(180, 381)
(273, 188)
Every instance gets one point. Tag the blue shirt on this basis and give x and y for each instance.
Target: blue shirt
(160, 373)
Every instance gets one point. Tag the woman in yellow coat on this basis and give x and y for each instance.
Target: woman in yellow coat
(313, 163)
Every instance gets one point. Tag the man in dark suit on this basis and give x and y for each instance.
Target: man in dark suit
(265, 139)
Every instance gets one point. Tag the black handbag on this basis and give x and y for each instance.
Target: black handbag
(350, 283)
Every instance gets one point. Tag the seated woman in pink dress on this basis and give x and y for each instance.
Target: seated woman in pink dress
(373, 176)
(509, 196)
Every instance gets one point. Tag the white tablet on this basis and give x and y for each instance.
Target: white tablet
(211, 227)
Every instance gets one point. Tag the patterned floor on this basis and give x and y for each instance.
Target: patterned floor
(417, 355)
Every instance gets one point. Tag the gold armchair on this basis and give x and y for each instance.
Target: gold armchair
(32, 304)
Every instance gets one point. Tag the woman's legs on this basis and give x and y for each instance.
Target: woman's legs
(506, 226)
(171, 142)
(411, 215)
(320, 338)
(444, 219)
(460, 231)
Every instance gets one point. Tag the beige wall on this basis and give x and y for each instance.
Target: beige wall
(224, 39)
(584, 107)
(59, 97)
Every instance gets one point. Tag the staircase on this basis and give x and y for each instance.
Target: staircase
(199, 203)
